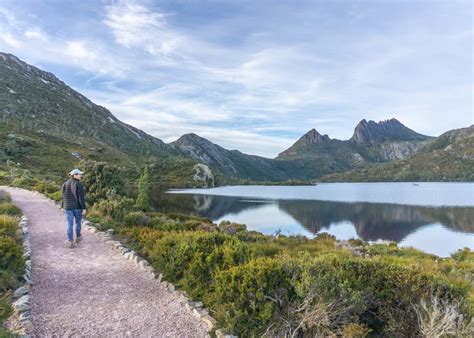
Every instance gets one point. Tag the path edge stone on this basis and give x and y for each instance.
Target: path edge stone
(21, 317)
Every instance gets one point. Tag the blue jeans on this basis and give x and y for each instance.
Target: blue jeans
(72, 214)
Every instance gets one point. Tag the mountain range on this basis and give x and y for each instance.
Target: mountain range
(46, 126)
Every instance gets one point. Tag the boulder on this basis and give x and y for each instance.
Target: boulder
(22, 304)
(22, 290)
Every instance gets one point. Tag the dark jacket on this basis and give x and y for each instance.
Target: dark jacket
(73, 195)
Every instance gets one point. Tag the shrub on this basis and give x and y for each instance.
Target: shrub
(101, 179)
(11, 262)
(441, 318)
(376, 291)
(56, 196)
(5, 178)
(7, 208)
(231, 227)
(175, 252)
(115, 206)
(184, 218)
(5, 311)
(8, 226)
(24, 182)
(248, 296)
(136, 218)
(143, 201)
(46, 188)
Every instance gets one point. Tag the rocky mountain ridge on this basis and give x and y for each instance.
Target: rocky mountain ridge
(388, 130)
(48, 125)
(449, 157)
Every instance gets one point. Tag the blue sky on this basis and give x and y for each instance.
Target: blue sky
(255, 75)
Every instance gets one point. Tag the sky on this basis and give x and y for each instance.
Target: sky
(255, 75)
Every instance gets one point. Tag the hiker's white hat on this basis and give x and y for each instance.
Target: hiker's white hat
(76, 171)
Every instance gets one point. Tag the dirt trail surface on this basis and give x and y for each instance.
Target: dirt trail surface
(91, 290)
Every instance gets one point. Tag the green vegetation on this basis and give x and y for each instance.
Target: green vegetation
(11, 256)
(262, 285)
(255, 284)
(143, 201)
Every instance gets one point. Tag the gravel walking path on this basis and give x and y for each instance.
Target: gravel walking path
(91, 290)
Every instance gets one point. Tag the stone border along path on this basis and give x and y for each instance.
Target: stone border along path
(91, 290)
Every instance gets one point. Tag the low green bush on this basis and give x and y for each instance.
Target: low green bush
(254, 284)
(56, 196)
(248, 296)
(5, 311)
(11, 258)
(6, 208)
(115, 207)
(5, 178)
(342, 292)
(231, 227)
(176, 253)
(24, 182)
(136, 218)
(46, 187)
(11, 262)
(8, 226)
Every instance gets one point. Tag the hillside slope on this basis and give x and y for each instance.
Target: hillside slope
(231, 163)
(48, 127)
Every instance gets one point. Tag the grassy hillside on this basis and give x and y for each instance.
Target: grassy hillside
(47, 128)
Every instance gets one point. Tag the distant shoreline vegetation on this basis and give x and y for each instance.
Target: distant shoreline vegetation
(258, 285)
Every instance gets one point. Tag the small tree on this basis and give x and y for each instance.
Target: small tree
(100, 179)
(143, 201)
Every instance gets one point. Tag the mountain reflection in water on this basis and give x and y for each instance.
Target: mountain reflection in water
(368, 221)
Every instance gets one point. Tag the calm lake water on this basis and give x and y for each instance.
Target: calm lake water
(435, 217)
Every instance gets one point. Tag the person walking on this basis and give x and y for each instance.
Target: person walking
(74, 204)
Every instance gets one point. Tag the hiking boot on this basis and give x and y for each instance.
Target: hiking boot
(78, 239)
(71, 244)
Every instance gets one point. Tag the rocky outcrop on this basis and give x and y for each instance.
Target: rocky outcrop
(399, 150)
(203, 174)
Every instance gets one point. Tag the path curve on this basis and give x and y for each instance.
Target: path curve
(91, 290)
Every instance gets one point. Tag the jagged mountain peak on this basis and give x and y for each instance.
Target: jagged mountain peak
(313, 136)
(192, 137)
(386, 130)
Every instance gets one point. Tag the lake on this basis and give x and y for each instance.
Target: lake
(434, 217)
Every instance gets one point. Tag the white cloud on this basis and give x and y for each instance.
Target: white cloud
(134, 25)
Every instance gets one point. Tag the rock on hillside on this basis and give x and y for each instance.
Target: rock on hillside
(231, 163)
